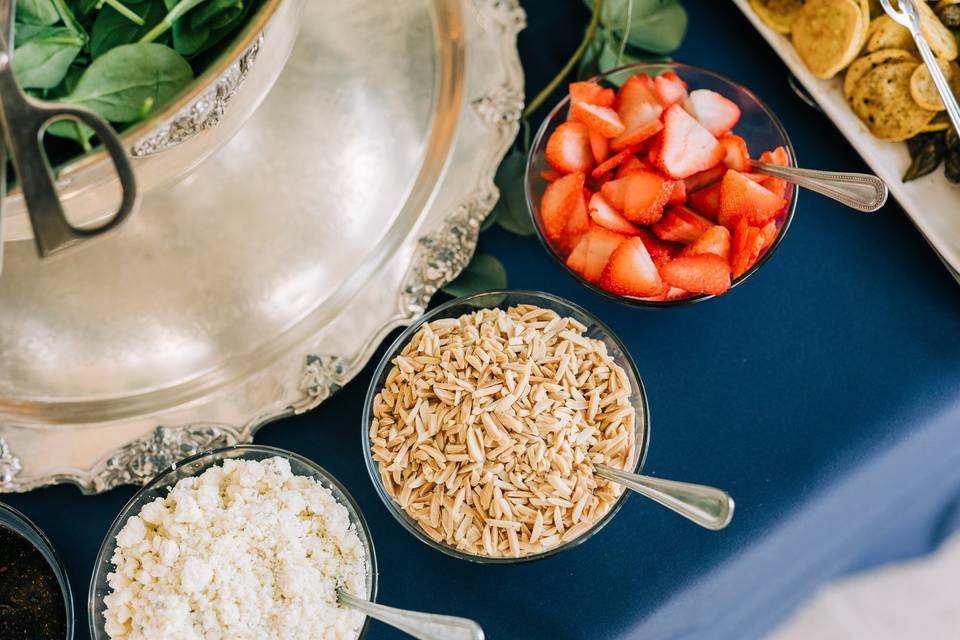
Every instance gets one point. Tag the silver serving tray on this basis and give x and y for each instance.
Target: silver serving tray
(264, 281)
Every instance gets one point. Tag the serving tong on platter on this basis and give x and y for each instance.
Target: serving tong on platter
(908, 16)
(23, 121)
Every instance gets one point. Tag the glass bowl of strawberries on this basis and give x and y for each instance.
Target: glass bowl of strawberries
(640, 183)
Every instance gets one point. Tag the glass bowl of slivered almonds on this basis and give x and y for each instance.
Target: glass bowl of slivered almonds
(484, 419)
(641, 183)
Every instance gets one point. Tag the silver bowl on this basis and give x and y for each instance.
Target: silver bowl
(178, 138)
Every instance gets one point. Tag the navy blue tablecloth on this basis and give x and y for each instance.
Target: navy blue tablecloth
(824, 394)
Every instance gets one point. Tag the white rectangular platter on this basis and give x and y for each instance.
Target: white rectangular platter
(932, 202)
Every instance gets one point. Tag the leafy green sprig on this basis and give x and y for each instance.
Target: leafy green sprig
(620, 32)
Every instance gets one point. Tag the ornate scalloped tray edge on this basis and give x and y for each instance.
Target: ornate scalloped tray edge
(103, 455)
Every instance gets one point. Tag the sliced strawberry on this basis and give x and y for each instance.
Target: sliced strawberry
(716, 113)
(653, 153)
(615, 192)
(599, 147)
(560, 199)
(706, 202)
(637, 103)
(602, 120)
(568, 148)
(687, 148)
(704, 273)
(706, 178)
(778, 156)
(680, 224)
(631, 271)
(613, 162)
(578, 223)
(592, 93)
(768, 234)
(746, 247)
(675, 293)
(635, 135)
(670, 89)
(606, 216)
(738, 156)
(679, 193)
(602, 244)
(661, 251)
(741, 196)
(631, 165)
(549, 175)
(647, 193)
(715, 240)
(577, 260)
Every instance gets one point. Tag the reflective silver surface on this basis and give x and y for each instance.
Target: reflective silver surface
(176, 139)
(265, 280)
(861, 191)
(709, 507)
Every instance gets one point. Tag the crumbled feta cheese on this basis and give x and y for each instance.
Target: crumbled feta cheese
(244, 551)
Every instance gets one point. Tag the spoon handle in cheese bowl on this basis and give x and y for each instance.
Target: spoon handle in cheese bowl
(708, 507)
(425, 626)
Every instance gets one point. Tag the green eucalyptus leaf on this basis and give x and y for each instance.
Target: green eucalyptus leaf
(483, 273)
(43, 12)
(491, 218)
(654, 25)
(513, 215)
(610, 59)
(126, 83)
(42, 62)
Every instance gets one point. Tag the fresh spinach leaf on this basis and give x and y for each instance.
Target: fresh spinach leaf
(70, 21)
(126, 83)
(42, 62)
(215, 13)
(42, 12)
(176, 9)
(84, 8)
(112, 29)
(220, 33)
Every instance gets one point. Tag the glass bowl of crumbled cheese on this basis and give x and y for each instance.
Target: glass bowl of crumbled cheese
(484, 419)
(243, 542)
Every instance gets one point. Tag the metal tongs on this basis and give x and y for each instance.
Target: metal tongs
(23, 120)
(909, 16)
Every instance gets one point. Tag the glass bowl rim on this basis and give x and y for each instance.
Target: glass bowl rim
(218, 455)
(397, 345)
(639, 302)
(19, 523)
